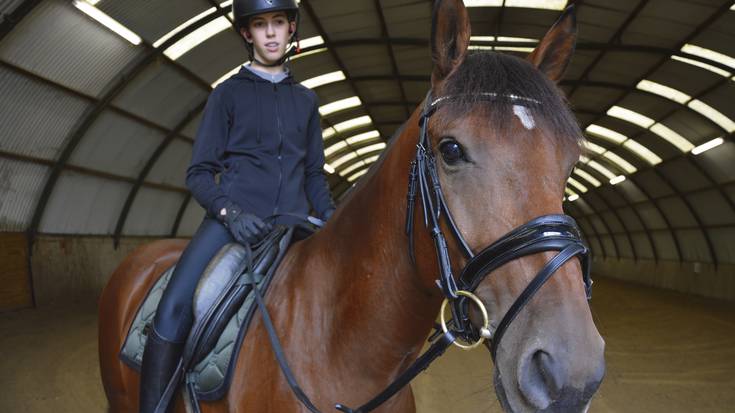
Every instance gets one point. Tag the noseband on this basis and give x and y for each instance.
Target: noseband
(545, 233)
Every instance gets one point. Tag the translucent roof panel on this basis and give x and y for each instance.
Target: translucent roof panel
(116, 144)
(162, 95)
(171, 165)
(152, 19)
(97, 204)
(62, 44)
(37, 118)
(153, 212)
(21, 184)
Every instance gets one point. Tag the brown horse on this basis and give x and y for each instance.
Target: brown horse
(353, 310)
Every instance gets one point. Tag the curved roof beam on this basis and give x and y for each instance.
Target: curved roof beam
(573, 197)
(147, 168)
(596, 183)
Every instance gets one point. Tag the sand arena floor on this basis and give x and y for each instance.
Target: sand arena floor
(666, 352)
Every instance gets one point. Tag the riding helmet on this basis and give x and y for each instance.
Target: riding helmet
(244, 9)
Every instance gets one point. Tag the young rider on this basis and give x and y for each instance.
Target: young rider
(261, 133)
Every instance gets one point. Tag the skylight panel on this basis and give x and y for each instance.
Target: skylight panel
(529, 4)
(183, 26)
(328, 133)
(587, 177)
(335, 148)
(575, 183)
(620, 162)
(601, 169)
(324, 79)
(339, 105)
(702, 65)
(311, 42)
(643, 152)
(107, 21)
(482, 38)
(371, 159)
(708, 145)
(354, 177)
(594, 147)
(343, 159)
(363, 137)
(664, 91)
(328, 168)
(631, 116)
(349, 169)
(537, 4)
(712, 114)
(515, 39)
(372, 148)
(514, 49)
(197, 37)
(353, 123)
(709, 54)
(605, 133)
(672, 137)
(618, 179)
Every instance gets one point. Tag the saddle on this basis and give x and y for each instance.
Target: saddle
(223, 309)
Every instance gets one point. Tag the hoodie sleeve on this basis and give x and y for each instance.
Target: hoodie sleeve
(209, 147)
(317, 189)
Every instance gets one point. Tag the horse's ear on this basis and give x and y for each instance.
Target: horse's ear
(554, 52)
(450, 38)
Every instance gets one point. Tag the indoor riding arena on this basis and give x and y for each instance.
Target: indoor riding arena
(101, 103)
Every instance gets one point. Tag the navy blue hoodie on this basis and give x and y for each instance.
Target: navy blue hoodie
(265, 140)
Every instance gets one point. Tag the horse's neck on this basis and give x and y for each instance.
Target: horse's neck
(374, 312)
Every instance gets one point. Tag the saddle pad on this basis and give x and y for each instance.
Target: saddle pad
(211, 376)
(132, 351)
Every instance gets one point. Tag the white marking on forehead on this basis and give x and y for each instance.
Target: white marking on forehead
(525, 116)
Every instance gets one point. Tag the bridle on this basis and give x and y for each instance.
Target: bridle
(545, 233)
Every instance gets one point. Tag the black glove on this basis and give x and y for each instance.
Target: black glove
(244, 227)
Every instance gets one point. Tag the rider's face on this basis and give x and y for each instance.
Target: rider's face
(269, 33)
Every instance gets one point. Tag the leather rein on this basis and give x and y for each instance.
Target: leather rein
(545, 233)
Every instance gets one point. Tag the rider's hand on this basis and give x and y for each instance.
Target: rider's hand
(244, 227)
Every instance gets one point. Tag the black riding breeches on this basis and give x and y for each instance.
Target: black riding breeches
(174, 316)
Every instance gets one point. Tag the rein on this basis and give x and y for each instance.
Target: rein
(545, 233)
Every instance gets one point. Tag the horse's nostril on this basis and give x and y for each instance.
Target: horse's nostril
(541, 380)
(552, 376)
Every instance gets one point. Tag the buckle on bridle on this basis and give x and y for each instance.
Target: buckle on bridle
(484, 330)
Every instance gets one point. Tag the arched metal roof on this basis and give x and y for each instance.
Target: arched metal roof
(98, 120)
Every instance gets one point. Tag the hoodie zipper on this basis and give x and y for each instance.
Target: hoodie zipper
(280, 148)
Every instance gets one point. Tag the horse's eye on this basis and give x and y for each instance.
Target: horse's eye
(451, 152)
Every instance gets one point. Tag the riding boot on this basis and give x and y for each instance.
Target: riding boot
(160, 359)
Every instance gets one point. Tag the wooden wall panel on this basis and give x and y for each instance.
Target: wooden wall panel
(15, 281)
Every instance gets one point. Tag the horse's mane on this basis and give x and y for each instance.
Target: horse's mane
(505, 75)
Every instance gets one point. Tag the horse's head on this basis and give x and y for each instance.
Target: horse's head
(505, 143)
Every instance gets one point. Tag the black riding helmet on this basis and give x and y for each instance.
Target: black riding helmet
(243, 10)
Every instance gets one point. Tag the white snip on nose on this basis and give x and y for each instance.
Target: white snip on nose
(525, 116)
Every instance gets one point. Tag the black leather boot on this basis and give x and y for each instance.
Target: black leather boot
(160, 359)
